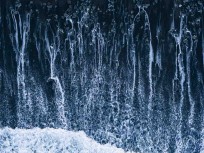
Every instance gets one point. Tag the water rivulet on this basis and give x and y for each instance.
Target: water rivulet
(127, 72)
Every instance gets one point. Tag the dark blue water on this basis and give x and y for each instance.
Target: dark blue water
(130, 73)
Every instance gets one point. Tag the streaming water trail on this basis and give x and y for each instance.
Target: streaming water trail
(127, 73)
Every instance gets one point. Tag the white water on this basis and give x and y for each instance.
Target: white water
(104, 81)
(53, 51)
(19, 43)
(50, 140)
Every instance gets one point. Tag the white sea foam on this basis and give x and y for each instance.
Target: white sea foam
(50, 141)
